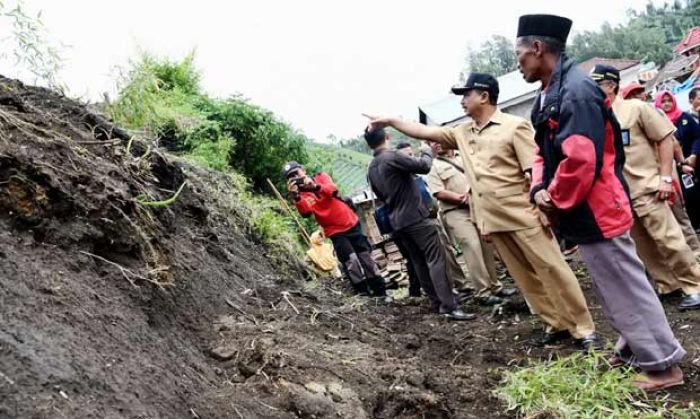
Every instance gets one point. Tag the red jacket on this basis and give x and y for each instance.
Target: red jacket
(580, 157)
(331, 213)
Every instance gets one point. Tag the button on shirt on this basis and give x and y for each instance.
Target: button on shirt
(444, 176)
(495, 158)
(645, 127)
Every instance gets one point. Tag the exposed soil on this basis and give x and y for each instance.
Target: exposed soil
(113, 309)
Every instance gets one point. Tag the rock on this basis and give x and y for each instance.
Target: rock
(336, 392)
(317, 388)
(223, 352)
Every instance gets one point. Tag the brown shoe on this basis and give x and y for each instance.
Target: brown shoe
(651, 381)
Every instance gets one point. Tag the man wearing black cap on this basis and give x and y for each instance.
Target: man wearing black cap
(391, 177)
(648, 142)
(319, 196)
(577, 179)
(497, 151)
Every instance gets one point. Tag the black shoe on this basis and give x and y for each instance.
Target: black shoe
(691, 302)
(590, 343)
(457, 315)
(491, 300)
(361, 288)
(377, 286)
(507, 292)
(550, 338)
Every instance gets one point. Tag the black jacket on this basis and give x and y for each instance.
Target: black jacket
(580, 157)
(391, 177)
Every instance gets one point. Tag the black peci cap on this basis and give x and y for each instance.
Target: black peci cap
(480, 81)
(552, 26)
(290, 167)
(605, 72)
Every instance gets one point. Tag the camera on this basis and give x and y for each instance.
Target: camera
(298, 181)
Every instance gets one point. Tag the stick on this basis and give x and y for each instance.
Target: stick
(289, 211)
(285, 295)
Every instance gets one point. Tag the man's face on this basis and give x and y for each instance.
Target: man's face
(607, 86)
(695, 103)
(472, 101)
(529, 62)
(407, 151)
(297, 173)
(436, 148)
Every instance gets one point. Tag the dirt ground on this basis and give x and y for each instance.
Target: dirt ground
(109, 309)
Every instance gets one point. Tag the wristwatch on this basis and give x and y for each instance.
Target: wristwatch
(667, 179)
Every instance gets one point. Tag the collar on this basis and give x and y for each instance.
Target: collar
(496, 118)
(378, 152)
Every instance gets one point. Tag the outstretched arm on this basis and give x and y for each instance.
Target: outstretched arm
(413, 129)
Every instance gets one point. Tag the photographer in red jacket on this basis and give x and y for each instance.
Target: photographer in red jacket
(319, 196)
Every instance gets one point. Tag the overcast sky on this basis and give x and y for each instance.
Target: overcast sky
(317, 64)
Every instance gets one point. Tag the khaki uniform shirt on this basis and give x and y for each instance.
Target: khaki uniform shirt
(445, 177)
(644, 126)
(495, 158)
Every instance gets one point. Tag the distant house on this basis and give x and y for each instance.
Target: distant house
(690, 45)
(516, 95)
(681, 73)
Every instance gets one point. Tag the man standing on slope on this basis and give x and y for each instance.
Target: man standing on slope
(577, 180)
(319, 196)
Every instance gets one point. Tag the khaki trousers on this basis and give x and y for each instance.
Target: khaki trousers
(663, 248)
(684, 221)
(477, 254)
(533, 258)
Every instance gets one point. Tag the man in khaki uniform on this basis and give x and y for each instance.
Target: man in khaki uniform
(498, 150)
(658, 236)
(449, 186)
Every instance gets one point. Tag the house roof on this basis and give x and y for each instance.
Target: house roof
(618, 63)
(691, 40)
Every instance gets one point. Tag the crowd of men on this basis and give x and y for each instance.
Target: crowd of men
(606, 171)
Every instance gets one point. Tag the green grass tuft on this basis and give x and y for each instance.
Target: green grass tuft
(581, 386)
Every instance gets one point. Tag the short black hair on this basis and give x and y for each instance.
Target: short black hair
(493, 99)
(375, 138)
(694, 92)
(403, 145)
(552, 45)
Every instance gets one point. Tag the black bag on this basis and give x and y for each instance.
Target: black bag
(381, 216)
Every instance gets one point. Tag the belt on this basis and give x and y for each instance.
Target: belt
(456, 208)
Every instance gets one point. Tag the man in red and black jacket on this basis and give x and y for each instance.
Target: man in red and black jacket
(577, 180)
(319, 196)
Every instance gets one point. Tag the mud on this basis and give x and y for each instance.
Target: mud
(113, 309)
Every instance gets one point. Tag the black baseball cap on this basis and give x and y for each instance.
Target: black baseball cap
(480, 81)
(605, 72)
(551, 26)
(290, 167)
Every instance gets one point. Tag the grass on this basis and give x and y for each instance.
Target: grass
(579, 386)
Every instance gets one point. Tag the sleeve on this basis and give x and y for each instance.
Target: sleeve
(695, 129)
(328, 188)
(303, 207)
(655, 125)
(447, 138)
(420, 165)
(581, 138)
(524, 145)
(435, 183)
(537, 174)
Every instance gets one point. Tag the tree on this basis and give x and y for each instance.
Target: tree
(495, 56)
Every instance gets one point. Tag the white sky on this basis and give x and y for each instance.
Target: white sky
(317, 64)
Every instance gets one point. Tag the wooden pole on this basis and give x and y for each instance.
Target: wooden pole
(283, 201)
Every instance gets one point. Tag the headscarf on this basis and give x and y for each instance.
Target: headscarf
(675, 113)
(629, 89)
(321, 253)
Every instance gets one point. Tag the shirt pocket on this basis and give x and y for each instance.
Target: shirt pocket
(509, 191)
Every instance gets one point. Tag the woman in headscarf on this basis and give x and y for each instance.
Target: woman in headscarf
(688, 135)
